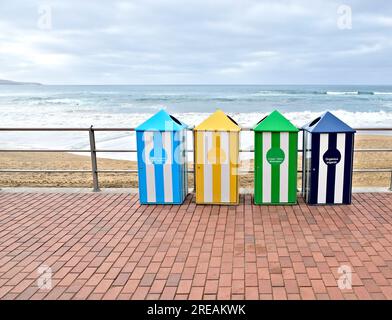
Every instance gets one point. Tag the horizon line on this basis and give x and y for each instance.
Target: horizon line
(196, 84)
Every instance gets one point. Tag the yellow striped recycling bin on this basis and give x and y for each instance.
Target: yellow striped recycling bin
(216, 160)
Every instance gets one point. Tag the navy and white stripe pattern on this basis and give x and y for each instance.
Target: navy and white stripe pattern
(331, 168)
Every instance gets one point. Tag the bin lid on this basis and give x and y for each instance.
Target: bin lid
(275, 122)
(326, 123)
(218, 121)
(162, 121)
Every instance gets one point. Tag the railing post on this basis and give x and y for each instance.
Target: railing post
(94, 164)
(390, 185)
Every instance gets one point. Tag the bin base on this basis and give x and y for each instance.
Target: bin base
(219, 203)
(161, 203)
(329, 204)
(276, 204)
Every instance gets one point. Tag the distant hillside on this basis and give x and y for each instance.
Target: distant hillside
(9, 82)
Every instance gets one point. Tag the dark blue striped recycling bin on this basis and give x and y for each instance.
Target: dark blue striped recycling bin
(328, 152)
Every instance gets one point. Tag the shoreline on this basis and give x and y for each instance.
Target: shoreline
(67, 161)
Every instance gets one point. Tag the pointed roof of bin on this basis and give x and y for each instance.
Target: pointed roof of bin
(218, 121)
(275, 122)
(326, 123)
(161, 121)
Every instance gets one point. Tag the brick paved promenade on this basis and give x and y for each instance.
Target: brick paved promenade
(107, 246)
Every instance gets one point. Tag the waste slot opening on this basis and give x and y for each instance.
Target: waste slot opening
(232, 120)
(261, 120)
(175, 120)
(314, 122)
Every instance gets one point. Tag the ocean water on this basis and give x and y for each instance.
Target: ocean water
(128, 106)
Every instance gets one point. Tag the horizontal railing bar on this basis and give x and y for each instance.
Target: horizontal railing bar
(47, 170)
(45, 129)
(128, 129)
(134, 150)
(116, 150)
(117, 170)
(135, 171)
(372, 170)
(355, 170)
(133, 129)
(125, 171)
(73, 150)
(372, 129)
(70, 171)
(114, 129)
(42, 150)
(363, 150)
(372, 150)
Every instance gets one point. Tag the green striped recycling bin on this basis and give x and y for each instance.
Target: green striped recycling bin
(276, 152)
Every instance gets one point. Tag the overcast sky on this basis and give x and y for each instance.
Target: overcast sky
(196, 42)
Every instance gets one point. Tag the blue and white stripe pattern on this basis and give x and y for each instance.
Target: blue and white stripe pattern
(328, 167)
(162, 166)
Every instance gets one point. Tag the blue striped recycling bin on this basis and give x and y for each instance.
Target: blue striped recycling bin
(162, 164)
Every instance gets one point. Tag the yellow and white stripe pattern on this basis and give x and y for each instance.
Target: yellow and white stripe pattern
(216, 167)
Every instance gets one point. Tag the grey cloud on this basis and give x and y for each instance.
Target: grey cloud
(173, 41)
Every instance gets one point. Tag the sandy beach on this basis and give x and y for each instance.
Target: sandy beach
(19, 160)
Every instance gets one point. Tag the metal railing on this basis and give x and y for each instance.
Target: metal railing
(93, 153)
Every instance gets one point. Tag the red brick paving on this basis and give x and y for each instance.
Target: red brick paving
(108, 246)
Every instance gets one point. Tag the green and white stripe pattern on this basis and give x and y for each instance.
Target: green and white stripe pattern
(275, 167)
